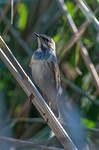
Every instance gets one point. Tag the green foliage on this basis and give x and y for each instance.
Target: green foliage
(88, 123)
(23, 14)
(98, 1)
(70, 7)
(37, 16)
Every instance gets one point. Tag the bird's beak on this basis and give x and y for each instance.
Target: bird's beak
(37, 35)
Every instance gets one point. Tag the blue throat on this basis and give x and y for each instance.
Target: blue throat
(44, 54)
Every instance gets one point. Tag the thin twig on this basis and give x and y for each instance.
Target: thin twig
(11, 11)
(93, 130)
(83, 50)
(38, 101)
(89, 65)
(30, 120)
(5, 31)
(17, 37)
(23, 143)
(9, 22)
(73, 40)
(40, 120)
(88, 13)
(79, 90)
(5, 10)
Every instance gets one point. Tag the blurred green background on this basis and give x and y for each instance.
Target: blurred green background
(17, 115)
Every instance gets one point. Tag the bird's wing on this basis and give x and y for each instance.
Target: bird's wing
(55, 68)
(57, 75)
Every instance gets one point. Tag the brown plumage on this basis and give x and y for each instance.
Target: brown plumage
(45, 70)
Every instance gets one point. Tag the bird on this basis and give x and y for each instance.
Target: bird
(45, 71)
(46, 77)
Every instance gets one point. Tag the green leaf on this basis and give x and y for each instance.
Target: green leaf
(86, 41)
(88, 123)
(70, 8)
(23, 14)
(56, 37)
(86, 82)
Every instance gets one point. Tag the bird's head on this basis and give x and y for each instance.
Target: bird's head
(45, 42)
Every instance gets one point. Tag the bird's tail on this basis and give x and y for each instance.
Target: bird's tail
(71, 120)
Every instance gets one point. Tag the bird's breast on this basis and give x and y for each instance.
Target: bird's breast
(40, 72)
(42, 75)
(38, 69)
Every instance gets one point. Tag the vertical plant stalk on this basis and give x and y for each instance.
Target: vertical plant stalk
(4, 11)
(88, 13)
(73, 40)
(5, 31)
(11, 11)
(83, 50)
(16, 36)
